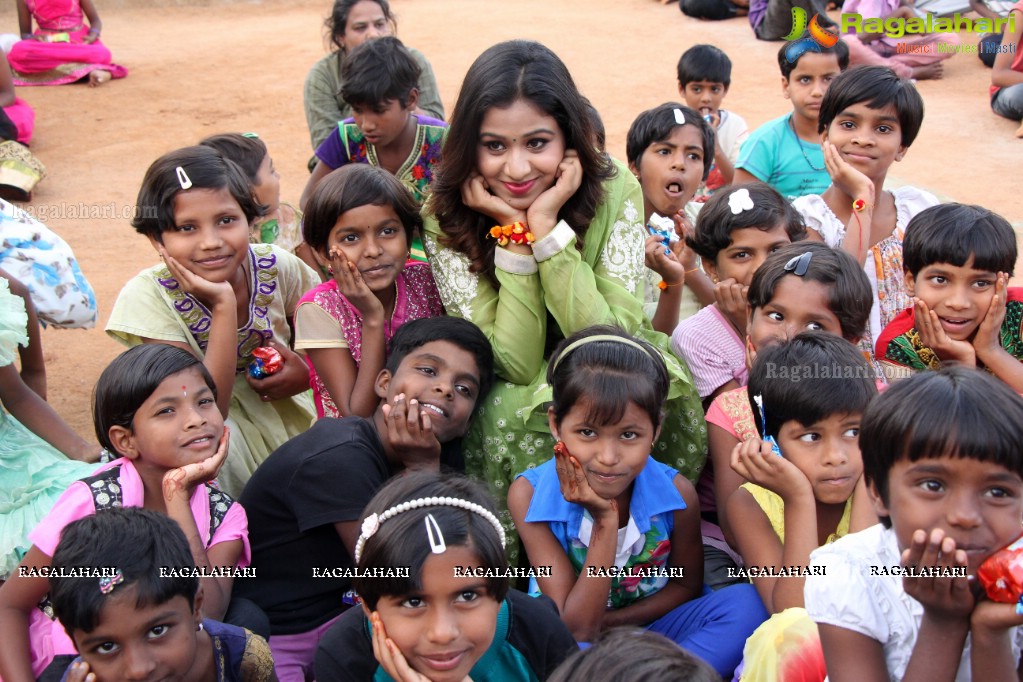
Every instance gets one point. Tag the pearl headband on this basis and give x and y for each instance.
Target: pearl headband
(371, 524)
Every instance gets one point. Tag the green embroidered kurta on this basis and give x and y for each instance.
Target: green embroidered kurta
(572, 290)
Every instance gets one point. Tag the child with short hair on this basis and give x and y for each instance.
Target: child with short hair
(437, 371)
(957, 261)
(800, 287)
(155, 406)
(737, 229)
(281, 222)
(360, 220)
(219, 297)
(619, 530)
(786, 152)
(670, 151)
(134, 619)
(631, 654)
(801, 495)
(704, 74)
(944, 467)
(805, 486)
(868, 120)
(380, 83)
(453, 617)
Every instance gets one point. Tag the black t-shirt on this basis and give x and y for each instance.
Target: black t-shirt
(535, 642)
(326, 475)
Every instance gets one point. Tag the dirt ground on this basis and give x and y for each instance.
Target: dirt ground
(239, 66)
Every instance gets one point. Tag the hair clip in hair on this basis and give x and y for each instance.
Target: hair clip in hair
(254, 136)
(183, 179)
(680, 117)
(371, 524)
(798, 265)
(739, 201)
(108, 583)
(437, 545)
(759, 400)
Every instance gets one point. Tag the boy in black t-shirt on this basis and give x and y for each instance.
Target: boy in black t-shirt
(304, 501)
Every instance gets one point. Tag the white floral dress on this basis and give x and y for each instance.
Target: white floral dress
(540, 300)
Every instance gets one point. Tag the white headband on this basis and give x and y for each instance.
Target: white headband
(371, 524)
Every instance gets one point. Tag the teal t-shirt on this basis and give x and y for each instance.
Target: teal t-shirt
(775, 155)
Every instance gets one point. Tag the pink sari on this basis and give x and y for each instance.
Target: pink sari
(68, 58)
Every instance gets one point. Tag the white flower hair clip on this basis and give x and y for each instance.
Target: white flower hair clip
(680, 118)
(371, 524)
(739, 201)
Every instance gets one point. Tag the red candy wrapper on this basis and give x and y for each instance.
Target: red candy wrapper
(1002, 574)
(266, 361)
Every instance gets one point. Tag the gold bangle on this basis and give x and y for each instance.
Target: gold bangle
(696, 269)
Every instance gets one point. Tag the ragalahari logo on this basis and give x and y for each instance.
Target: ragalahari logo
(816, 38)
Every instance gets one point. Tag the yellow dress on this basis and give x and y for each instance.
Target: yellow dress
(152, 306)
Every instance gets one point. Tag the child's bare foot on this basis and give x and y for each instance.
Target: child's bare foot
(929, 71)
(98, 77)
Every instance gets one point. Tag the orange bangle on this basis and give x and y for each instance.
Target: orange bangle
(516, 233)
(662, 285)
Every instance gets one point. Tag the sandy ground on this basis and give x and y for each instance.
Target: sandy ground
(239, 66)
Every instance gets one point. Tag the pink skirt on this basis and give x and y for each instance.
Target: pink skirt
(35, 62)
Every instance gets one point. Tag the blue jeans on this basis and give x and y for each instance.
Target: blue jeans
(1008, 102)
(715, 626)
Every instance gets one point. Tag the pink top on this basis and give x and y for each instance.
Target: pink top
(416, 298)
(47, 637)
(731, 411)
(56, 15)
(1017, 62)
(712, 348)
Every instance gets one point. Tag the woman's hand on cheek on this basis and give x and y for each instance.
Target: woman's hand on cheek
(542, 216)
(477, 196)
(179, 483)
(291, 380)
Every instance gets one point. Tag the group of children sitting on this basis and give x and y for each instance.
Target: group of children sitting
(571, 373)
(911, 38)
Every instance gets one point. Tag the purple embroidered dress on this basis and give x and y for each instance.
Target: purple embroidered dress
(153, 306)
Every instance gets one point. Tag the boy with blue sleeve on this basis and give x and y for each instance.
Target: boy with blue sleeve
(786, 152)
